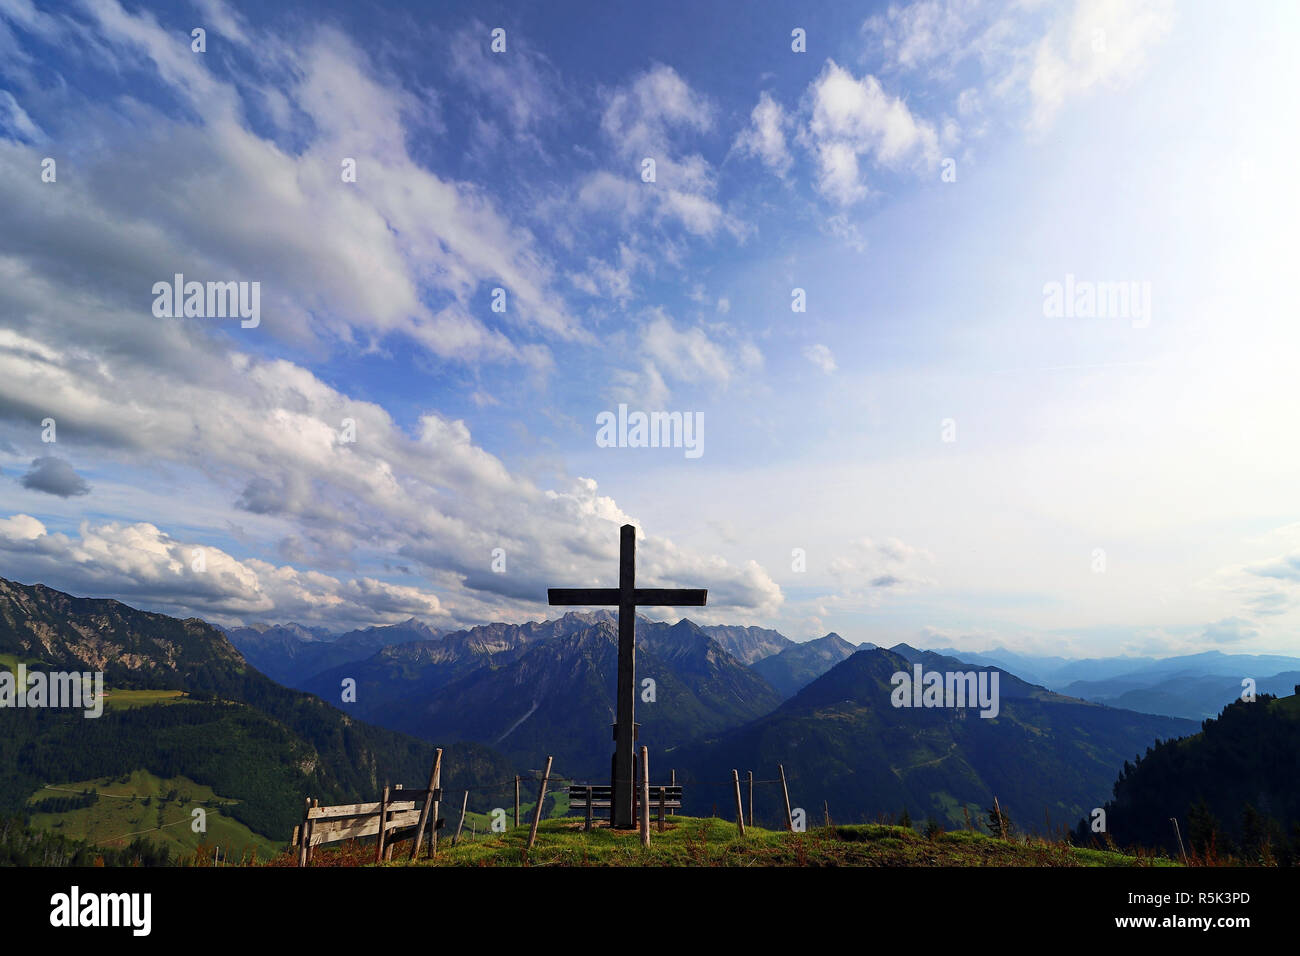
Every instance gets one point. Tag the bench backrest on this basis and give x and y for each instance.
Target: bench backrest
(598, 796)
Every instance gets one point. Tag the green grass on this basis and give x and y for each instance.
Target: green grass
(10, 662)
(114, 699)
(481, 823)
(691, 841)
(127, 699)
(121, 815)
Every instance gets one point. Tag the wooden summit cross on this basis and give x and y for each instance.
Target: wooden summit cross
(627, 596)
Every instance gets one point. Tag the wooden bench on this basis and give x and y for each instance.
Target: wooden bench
(590, 798)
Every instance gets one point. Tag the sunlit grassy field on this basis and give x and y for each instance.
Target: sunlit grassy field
(113, 698)
(140, 807)
(127, 699)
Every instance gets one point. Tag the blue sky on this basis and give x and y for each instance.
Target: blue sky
(956, 464)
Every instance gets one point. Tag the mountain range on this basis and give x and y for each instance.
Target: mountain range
(501, 697)
(1194, 686)
(550, 688)
(846, 748)
(292, 653)
(234, 729)
(748, 644)
(798, 665)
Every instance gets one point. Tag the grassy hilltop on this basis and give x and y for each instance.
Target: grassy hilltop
(693, 841)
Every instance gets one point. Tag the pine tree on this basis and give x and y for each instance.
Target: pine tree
(1202, 828)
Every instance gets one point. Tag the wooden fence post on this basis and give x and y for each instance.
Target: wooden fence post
(433, 816)
(587, 827)
(740, 807)
(826, 808)
(645, 797)
(541, 797)
(672, 778)
(751, 798)
(428, 805)
(1178, 833)
(300, 834)
(383, 823)
(785, 791)
(460, 826)
(517, 801)
(388, 844)
(311, 832)
(663, 791)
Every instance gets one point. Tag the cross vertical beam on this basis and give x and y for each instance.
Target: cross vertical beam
(627, 596)
(625, 729)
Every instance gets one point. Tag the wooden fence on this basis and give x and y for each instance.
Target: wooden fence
(395, 816)
(392, 818)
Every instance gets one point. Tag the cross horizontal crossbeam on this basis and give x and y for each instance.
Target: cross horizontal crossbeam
(646, 597)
